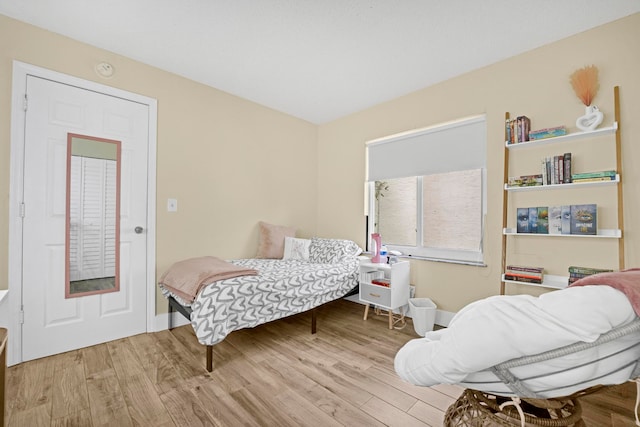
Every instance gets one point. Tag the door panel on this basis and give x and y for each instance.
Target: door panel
(53, 323)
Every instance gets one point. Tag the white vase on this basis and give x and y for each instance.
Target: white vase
(591, 119)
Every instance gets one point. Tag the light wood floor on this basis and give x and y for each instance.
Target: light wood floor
(273, 375)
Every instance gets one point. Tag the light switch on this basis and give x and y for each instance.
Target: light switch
(172, 205)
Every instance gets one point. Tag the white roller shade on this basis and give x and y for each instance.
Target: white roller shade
(454, 146)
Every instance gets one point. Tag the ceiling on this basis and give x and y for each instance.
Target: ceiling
(318, 60)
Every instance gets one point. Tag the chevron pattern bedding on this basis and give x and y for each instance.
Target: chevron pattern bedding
(282, 288)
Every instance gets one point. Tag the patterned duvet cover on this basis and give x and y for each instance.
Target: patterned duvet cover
(282, 288)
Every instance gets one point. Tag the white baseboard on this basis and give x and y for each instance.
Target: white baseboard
(4, 309)
(161, 322)
(442, 317)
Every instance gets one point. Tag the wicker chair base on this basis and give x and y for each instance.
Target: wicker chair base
(479, 409)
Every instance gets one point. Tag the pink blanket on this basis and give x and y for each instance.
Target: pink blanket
(186, 278)
(626, 281)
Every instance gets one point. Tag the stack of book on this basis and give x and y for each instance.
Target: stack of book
(557, 169)
(547, 133)
(594, 176)
(524, 274)
(517, 130)
(577, 273)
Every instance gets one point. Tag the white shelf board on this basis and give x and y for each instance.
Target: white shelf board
(602, 233)
(564, 138)
(572, 185)
(549, 281)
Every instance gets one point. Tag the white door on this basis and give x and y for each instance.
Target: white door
(53, 323)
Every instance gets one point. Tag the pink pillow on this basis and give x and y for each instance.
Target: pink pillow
(271, 240)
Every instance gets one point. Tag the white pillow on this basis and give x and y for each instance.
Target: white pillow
(296, 248)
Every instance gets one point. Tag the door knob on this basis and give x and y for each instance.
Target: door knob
(138, 230)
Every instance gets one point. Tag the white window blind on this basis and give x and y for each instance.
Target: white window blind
(92, 226)
(453, 146)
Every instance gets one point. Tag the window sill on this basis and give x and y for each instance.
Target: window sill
(449, 261)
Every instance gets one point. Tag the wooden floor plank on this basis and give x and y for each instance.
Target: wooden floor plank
(389, 415)
(185, 408)
(69, 391)
(35, 387)
(34, 416)
(261, 407)
(78, 418)
(221, 407)
(159, 370)
(145, 406)
(376, 387)
(14, 377)
(275, 374)
(303, 412)
(143, 402)
(430, 415)
(339, 409)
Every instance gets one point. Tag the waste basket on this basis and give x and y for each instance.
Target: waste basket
(423, 313)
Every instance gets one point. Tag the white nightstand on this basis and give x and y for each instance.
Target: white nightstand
(390, 297)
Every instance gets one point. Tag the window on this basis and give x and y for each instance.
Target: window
(427, 191)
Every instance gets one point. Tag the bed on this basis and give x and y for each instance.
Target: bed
(301, 281)
(522, 347)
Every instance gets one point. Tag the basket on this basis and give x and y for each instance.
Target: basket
(476, 408)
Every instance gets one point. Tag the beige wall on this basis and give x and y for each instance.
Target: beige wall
(229, 162)
(535, 84)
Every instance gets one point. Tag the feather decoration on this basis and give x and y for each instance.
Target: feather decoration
(585, 83)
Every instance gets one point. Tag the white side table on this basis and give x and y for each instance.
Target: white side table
(393, 293)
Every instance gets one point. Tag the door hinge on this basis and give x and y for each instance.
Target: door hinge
(25, 103)
(21, 317)
(22, 210)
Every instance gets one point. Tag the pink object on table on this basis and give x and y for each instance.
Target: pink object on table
(376, 240)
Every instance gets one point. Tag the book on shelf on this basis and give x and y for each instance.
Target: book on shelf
(522, 224)
(598, 174)
(559, 169)
(521, 278)
(584, 219)
(567, 168)
(525, 269)
(577, 273)
(533, 220)
(524, 180)
(588, 270)
(596, 179)
(547, 133)
(555, 219)
(543, 220)
(566, 219)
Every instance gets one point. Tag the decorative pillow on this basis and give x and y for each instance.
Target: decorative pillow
(271, 240)
(331, 251)
(296, 248)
